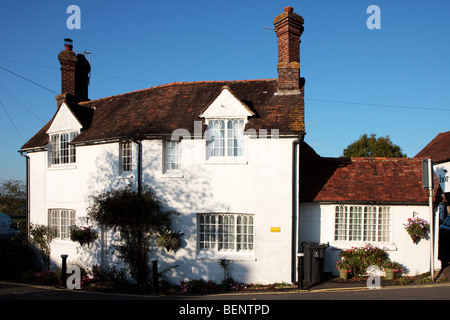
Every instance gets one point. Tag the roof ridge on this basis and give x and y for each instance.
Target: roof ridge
(172, 84)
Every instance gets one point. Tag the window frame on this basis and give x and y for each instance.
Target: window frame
(126, 160)
(362, 223)
(62, 151)
(230, 144)
(55, 220)
(169, 164)
(226, 233)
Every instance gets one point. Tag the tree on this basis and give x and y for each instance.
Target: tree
(13, 195)
(137, 216)
(367, 146)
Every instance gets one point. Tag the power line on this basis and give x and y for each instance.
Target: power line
(155, 82)
(35, 83)
(29, 64)
(10, 119)
(18, 102)
(379, 105)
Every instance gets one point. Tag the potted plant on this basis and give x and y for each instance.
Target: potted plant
(344, 268)
(391, 268)
(82, 234)
(417, 228)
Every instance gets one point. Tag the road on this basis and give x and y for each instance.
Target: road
(15, 291)
(269, 305)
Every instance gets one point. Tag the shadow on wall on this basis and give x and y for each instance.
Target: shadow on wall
(189, 195)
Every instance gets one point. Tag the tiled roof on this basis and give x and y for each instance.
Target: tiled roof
(162, 109)
(363, 180)
(438, 149)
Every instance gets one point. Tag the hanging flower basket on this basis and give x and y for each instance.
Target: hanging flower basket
(417, 228)
(82, 234)
(169, 240)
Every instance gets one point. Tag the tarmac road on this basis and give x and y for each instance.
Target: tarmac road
(267, 305)
(439, 291)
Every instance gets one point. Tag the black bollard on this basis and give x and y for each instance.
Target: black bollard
(155, 275)
(300, 270)
(64, 270)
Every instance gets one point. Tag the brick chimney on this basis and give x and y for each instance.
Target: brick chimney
(288, 28)
(74, 72)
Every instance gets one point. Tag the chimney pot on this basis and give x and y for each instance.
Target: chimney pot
(68, 44)
(288, 28)
(74, 72)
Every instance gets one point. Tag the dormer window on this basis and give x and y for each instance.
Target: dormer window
(225, 138)
(62, 151)
(225, 118)
(63, 130)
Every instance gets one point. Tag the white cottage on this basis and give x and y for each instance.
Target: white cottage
(230, 157)
(223, 153)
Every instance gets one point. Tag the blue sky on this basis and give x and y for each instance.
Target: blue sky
(389, 81)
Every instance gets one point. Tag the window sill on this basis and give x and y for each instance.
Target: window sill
(227, 161)
(64, 243)
(56, 167)
(126, 175)
(345, 245)
(219, 255)
(172, 174)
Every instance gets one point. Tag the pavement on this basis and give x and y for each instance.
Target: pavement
(335, 283)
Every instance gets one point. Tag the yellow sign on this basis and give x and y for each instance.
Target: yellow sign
(275, 229)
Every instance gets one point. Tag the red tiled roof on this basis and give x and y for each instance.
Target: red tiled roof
(438, 149)
(162, 109)
(363, 180)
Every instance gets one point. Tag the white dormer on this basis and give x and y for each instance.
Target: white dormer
(64, 121)
(227, 106)
(64, 128)
(225, 118)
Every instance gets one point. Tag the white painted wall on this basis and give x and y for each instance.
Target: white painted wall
(317, 224)
(262, 186)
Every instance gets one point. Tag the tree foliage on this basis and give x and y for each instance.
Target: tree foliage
(138, 217)
(13, 195)
(370, 146)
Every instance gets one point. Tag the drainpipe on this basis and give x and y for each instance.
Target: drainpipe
(139, 166)
(27, 158)
(295, 204)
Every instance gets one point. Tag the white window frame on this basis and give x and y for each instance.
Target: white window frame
(126, 156)
(61, 219)
(225, 140)
(172, 155)
(363, 223)
(62, 151)
(226, 233)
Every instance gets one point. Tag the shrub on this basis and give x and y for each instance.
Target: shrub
(358, 259)
(198, 286)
